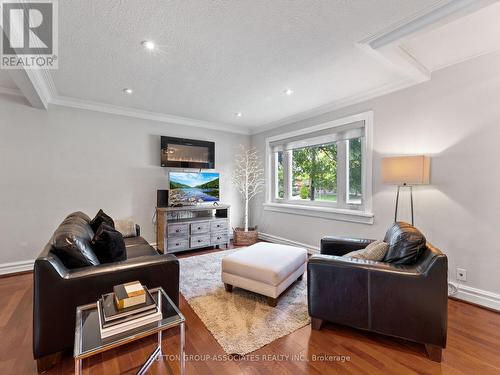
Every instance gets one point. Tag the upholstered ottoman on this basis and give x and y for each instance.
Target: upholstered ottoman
(264, 268)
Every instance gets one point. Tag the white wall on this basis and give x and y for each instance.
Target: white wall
(63, 160)
(455, 118)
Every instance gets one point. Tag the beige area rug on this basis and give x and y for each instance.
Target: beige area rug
(240, 321)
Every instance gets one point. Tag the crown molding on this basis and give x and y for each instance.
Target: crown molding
(67, 101)
(442, 12)
(338, 104)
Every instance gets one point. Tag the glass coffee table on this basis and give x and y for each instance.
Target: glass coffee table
(88, 341)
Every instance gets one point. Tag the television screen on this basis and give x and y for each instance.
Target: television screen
(193, 187)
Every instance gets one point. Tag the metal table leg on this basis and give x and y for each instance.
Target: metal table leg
(78, 367)
(182, 343)
(156, 355)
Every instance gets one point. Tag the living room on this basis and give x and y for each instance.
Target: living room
(254, 187)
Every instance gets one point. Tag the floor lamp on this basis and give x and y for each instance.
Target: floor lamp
(405, 171)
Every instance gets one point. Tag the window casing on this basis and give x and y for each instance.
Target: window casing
(328, 165)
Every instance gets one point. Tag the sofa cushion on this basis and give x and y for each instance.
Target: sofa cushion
(138, 247)
(374, 251)
(71, 243)
(406, 244)
(108, 244)
(100, 218)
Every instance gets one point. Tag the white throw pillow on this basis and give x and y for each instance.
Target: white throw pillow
(126, 227)
(375, 251)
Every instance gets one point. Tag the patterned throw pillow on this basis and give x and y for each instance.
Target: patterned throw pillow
(375, 251)
(126, 227)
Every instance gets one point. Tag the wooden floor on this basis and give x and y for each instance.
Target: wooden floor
(473, 346)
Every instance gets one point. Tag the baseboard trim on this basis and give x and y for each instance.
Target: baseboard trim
(478, 297)
(16, 267)
(276, 239)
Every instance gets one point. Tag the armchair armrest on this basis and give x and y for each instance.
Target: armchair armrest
(339, 246)
(381, 297)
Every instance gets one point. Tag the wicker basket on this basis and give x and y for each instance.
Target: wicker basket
(242, 238)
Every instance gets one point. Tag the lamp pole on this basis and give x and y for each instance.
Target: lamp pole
(411, 203)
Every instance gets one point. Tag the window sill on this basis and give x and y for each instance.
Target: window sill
(321, 212)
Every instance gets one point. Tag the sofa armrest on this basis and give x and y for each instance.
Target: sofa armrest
(57, 295)
(339, 246)
(142, 263)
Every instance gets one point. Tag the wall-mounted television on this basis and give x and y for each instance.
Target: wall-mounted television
(187, 153)
(193, 187)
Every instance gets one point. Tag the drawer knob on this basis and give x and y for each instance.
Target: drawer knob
(177, 244)
(177, 230)
(199, 228)
(199, 240)
(218, 238)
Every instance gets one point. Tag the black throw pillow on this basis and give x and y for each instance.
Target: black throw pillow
(100, 218)
(108, 244)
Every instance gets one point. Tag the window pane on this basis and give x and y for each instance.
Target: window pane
(280, 175)
(314, 173)
(355, 170)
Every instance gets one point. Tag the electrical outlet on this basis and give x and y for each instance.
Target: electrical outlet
(461, 274)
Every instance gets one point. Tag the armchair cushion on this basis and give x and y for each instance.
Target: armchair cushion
(406, 244)
(108, 245)
(374, 251)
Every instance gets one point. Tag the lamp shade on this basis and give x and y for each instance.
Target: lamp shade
(406, 170)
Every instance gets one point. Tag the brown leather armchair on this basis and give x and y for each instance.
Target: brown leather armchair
(59, 290)
(408, 300)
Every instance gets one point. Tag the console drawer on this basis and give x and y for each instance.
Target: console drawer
(219, 238)
(203, 227)
(177, 229)
(175, 244)
(219, 225)
(198, 241)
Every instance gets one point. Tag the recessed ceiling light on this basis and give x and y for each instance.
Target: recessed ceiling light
(238, 114)
(128, 91)
(148, 44)
(288, 92)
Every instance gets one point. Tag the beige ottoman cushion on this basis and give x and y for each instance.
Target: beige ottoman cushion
(264, 268)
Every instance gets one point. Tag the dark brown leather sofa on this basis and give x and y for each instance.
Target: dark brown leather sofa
(59, 290)
(403, 296)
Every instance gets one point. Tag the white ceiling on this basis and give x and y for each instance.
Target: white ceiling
(216, 58)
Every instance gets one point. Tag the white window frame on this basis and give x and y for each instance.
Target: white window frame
(320, 208)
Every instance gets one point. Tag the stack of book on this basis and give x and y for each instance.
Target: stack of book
(129, 306)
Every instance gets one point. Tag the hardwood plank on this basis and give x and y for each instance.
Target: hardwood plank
(473, 345)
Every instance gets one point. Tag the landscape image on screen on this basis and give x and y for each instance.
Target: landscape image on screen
(192, 187)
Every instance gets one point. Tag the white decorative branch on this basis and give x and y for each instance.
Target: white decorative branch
(248, 176)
